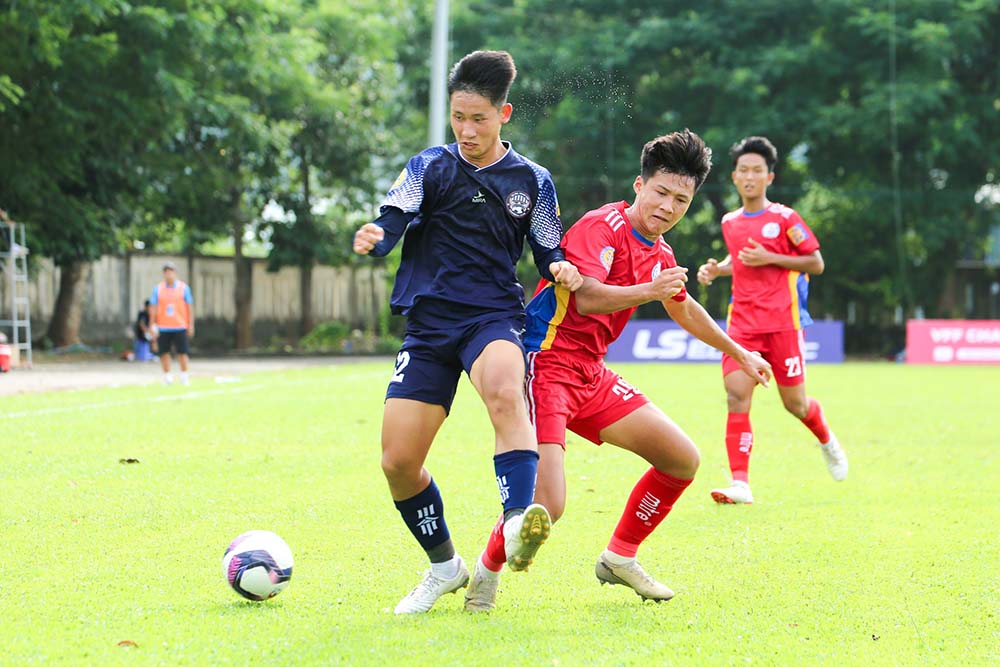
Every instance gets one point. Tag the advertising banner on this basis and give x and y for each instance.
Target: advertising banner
(953, 342)
(662, 340)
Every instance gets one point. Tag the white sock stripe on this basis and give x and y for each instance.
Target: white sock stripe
(529, 381)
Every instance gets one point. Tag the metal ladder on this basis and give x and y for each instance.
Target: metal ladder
(14, 261)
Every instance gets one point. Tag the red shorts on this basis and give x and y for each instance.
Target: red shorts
(585, 396)
(784, 350)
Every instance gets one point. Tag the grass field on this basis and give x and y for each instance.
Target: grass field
(899, 565)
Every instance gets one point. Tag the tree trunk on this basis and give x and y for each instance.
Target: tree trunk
(64, 328)
(243, 294)
(307, 321)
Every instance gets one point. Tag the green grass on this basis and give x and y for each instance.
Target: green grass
(898, 565)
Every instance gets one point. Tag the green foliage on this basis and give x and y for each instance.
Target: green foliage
(326, 337)
(337, 337)
(598, 79)
(885, 568)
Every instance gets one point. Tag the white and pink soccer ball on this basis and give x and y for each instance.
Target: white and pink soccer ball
(258, 565)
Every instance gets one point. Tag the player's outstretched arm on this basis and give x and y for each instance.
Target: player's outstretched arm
(367, 237)
(566, 274)
(595, 297)
(693, 318)
(379, 237)
(713, 269)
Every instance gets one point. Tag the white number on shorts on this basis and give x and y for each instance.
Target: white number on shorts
(794, 366)
(624, 389)
(402, 361)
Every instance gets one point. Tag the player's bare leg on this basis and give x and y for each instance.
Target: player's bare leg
(498, 376)
(674, 458)
(182, 361)
(165, 365)
(809, 411)
(550, 489)
(739, 439)
(408, 429)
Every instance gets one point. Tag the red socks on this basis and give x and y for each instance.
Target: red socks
(739, 443)
(651, 500)
(816, 422)
(495, 554)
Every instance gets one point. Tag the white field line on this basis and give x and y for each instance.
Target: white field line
(113, 404)
(185, 396)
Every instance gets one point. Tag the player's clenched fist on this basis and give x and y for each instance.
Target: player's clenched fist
(756, 367)
(708, 272)
(669, 282)
(567, 275)
(366, 238)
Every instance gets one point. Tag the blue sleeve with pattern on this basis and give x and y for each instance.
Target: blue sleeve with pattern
(403, 201)
(546, 229)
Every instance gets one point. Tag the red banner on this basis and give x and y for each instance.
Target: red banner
(953, 342)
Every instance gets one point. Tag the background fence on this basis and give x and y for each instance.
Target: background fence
(117, 286)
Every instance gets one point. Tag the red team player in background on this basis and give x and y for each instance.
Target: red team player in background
(625, 262)
(772, 251)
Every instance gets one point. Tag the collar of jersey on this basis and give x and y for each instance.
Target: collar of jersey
(636, 234)
(756, 213)
(506, 144)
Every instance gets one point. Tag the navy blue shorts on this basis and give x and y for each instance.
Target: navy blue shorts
(431, 360)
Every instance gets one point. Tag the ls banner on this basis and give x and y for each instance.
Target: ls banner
(663, 340)
(953, 342)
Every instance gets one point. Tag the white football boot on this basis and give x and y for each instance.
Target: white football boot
(481, 595)
(523, 534)
(423, 597)
(632, 575)
(836, 459)
(737, 493)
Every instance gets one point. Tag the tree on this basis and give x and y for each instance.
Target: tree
(85, 105)
(885, 157)
(343, 95)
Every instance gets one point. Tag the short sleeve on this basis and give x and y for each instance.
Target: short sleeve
(154, 299)
(188, 296)
(800, 236)
(590, 245)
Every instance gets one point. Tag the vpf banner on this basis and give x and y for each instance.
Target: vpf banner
(953, 342)
(663, 340)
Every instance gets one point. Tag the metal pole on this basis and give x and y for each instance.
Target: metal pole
(439, 74)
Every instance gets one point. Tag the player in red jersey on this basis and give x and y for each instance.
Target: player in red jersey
(625, 262)
(772, 251)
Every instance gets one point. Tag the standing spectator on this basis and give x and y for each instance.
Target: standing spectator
(171, 317)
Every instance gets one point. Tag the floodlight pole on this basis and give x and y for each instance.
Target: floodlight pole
(439, 74)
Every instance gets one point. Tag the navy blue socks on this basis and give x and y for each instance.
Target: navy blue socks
(516, 471)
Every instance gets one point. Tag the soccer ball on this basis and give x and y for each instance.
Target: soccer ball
(258, 565)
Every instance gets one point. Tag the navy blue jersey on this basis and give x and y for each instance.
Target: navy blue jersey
(465, 230)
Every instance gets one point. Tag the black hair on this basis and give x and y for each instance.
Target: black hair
(761, 146)
(486, 73)
(683, 153)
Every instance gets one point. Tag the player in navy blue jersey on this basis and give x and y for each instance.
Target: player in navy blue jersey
(466, 210)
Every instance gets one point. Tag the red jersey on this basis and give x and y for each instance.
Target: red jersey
(768, 298)
(603, 245)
